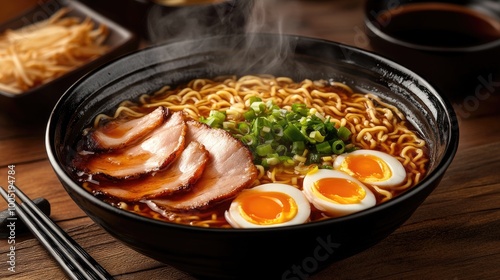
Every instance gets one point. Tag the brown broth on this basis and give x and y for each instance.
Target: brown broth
(439, 25)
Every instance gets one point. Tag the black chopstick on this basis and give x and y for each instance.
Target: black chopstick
(75, 261)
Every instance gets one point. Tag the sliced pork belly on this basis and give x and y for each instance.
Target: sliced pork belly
(179, 176)
(156, 151)
(229, 170)
(118, 134)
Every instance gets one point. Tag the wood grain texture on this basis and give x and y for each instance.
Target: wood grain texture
(454, 234)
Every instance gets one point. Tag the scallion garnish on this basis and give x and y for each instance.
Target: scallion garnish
(279, 136)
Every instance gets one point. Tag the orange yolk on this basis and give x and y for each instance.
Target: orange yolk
(366, 167)
(266, 208)
(340, 190)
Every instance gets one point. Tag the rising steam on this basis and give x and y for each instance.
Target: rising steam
(241, 18)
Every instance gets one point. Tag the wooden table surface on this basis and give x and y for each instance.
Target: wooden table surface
(454, 234)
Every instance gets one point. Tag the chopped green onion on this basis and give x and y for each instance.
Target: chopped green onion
(272, 161)
(293, 133)
(258, 107)
(299, 158)
(300, 109)
(244, 128)
(264, 149)
(298, 147)
(316, 135)
(324, 148)
(248, 139)
(278, 136)
(343, 133)
(211, 122)
(253, 99)
(287, 161)
(278, 130)
(249, 115)
(338, 147)
(329, 126)
(215, 119)
(281, 149)
(314, 158)
(327, 158)
(229, 125)
(319, 127)
(218, 115)
(264, 163)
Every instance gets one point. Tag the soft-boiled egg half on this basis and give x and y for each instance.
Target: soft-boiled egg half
(268, 205)
(336, 193)
(372, 167)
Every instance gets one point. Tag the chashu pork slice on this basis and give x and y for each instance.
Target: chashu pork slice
(177, 177)
(157, 150)
(230, 169)
(117, 134)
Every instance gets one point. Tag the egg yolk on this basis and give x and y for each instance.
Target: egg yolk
(265, 208)
(366, 168)
(340, 190)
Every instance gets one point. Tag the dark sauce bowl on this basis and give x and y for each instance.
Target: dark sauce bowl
(286, 252)
(455, 45)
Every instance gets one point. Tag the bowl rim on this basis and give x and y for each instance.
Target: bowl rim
(377, 32)
(451, 148)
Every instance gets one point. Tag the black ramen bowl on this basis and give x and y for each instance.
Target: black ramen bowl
(252, 253)
(455, 45)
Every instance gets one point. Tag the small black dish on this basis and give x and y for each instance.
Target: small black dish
(34, 105)
(453, 44)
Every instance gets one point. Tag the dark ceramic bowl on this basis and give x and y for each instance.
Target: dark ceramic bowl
(35, 104)
(455, 45)
(252, 253)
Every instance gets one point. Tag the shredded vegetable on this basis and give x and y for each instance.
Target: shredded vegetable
(278, 136)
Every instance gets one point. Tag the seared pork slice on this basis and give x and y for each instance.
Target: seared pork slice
(158, 149)
(229, 170)
(179, 176)
(119, 133)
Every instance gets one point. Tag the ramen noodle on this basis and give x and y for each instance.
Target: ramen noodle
(373, 125)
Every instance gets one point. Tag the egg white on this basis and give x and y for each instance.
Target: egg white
(236, 220)
(328, 205)
(398, 172)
